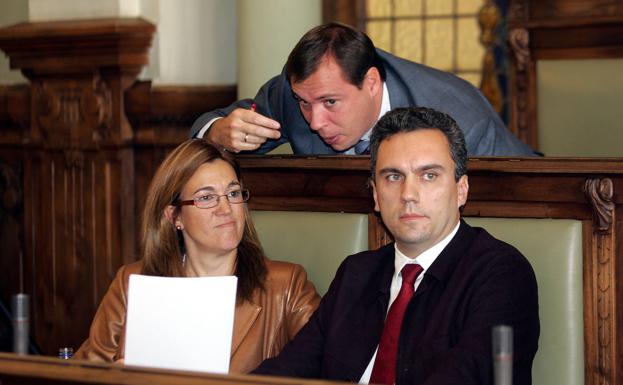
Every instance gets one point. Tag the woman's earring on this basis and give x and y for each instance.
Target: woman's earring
(184, 259)
(178, 227)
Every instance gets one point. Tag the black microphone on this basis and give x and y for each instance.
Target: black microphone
(502, 343)
(21, 322)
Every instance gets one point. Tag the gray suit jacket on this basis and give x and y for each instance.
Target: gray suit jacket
(409, 84)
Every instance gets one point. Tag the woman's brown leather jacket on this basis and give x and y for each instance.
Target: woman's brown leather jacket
(262, 326)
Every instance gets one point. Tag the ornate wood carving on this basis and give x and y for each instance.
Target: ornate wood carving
(77, 113)
(488, 18)
(519, 40)
(518, 10)
(602, 289)
(599, 193)
(79, 171)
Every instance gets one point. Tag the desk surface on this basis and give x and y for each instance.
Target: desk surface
(26, 370)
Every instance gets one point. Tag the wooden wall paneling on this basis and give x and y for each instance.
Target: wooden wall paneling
(164, 114)
(14, 119)
(349, 12)
(14, 113)
(555, 29)
(160, 119)
(572, 9)
(79, 171)
(11, 224)
(377, 232)
(523, 100)
(618, 294)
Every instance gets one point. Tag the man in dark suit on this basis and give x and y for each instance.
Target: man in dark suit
(468, 281)
(334, 88)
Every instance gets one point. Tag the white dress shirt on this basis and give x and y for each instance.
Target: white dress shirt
(385, 107)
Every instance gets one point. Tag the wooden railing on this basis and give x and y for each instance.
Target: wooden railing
(32, 370)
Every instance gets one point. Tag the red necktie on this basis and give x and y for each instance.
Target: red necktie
(384, 370)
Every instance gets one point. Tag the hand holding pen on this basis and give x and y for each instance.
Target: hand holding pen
(243, 130)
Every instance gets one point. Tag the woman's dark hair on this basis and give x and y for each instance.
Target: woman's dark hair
(161, 244)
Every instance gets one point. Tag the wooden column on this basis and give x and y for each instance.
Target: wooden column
(78, 165)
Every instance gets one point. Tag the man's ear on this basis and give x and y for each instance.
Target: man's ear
(374, 194)
(372, 80)
(462, 189)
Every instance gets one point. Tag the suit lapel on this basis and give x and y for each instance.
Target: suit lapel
(445, 264)
(367, 319)
(244, 318)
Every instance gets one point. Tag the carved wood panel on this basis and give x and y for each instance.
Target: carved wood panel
(76, 239)
(555, 29)
(600, 291)
(79, 216)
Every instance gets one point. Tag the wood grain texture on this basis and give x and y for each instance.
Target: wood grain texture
(31, 370)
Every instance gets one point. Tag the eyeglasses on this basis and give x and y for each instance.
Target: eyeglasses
(211, 200)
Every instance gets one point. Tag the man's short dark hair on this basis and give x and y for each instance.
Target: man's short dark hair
(420, 118)
(353, 51)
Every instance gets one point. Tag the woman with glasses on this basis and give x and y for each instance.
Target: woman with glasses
(196, 223)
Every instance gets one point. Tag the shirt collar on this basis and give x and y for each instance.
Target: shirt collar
(385, 107)
(425, 259)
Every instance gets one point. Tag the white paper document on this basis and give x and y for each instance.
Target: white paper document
(180, 323)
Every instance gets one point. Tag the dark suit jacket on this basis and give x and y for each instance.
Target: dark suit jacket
(477, 282)
(409, 84)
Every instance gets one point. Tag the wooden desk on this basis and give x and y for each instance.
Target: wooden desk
(38, 370)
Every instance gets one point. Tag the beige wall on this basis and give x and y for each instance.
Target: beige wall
(43, 10)
(580, 107)
(197, 41)
(266, 37)
(11, 12)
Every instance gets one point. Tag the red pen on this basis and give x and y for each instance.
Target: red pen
(253, 107)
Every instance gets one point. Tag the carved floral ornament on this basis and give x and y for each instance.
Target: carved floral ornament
(68, 111)
(599, 192)
(519, 40)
